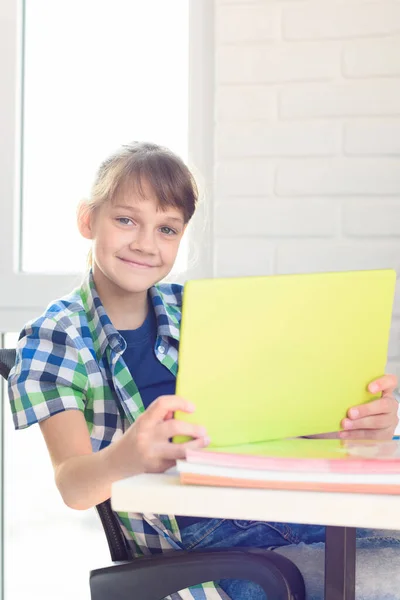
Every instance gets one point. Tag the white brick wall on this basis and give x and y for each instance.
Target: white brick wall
(378, 57)
(340, 20)
(341, 98)
(307, 138)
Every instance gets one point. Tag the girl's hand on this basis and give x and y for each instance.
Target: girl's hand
(146, 447)
(377, 419)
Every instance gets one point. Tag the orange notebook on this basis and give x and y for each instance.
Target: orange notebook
(299, 464)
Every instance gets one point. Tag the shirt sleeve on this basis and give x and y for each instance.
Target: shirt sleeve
(49, 375)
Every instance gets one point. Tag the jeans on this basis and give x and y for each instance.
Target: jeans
(224, 533)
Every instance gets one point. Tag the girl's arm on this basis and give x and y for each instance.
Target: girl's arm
(48, 384)
(84, 478)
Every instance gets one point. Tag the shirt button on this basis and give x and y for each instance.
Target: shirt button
(161, 349)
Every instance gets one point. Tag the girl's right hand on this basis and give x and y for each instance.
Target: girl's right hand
(146, 447)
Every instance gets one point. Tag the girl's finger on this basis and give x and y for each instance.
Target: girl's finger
(173, 427)
(172, 451)
(383, 384)
(160, 408)
(386, 404)
(197, 444)
(375, 422)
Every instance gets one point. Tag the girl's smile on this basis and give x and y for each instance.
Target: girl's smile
(136, 264)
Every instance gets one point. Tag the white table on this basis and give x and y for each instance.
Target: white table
(341, 513)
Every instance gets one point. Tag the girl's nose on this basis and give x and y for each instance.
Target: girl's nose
(144, 241)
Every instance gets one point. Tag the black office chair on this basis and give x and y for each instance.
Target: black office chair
(154, 577)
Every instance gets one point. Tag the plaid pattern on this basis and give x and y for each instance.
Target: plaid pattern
(71, 358)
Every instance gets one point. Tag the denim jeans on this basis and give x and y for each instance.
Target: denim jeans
(224, 533)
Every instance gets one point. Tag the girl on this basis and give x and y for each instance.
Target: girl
(97, 370)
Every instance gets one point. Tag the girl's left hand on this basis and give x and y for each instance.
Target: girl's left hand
(377, 419)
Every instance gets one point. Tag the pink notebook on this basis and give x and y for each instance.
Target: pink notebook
(299, 464)
(306, 455)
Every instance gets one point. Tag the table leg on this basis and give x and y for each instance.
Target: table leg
(340, 563)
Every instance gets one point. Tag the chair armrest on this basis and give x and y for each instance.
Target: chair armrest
(155, 577)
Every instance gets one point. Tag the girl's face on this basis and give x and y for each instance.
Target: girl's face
(134, 243)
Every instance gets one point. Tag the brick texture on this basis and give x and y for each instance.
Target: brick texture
(307, 138)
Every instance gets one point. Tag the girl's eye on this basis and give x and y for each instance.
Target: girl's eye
(168, 231)
(124, 220)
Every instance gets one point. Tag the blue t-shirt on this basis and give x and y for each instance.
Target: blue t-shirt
(151, 377)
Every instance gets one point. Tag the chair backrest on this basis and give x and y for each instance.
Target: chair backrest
(117, 543)
(7, 360)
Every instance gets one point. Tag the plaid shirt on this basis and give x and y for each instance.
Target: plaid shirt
(71, 358)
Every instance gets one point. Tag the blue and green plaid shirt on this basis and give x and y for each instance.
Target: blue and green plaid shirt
(71, 358)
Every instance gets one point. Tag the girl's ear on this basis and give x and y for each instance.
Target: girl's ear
(84, 218)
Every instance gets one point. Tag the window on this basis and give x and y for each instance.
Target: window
(96, 74)
(78, 102)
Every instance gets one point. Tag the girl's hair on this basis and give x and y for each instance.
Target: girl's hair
(142, 163)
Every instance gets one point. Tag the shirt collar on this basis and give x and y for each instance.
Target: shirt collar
(103, 331)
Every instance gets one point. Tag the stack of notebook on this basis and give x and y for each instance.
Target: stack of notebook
(299, 464)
